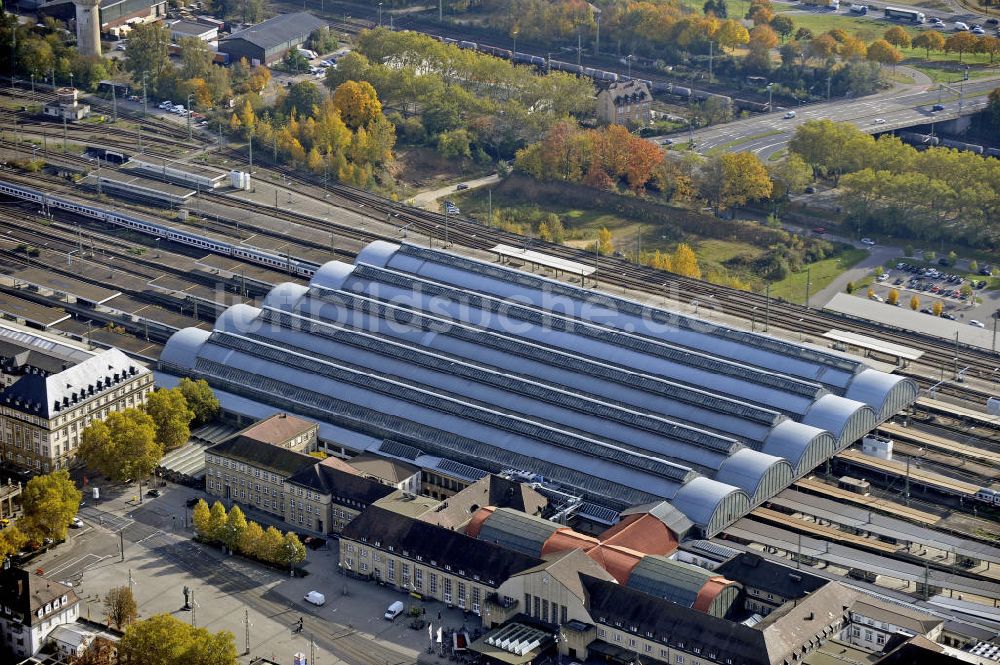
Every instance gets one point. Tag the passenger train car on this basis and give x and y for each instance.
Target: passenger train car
(987, 495)
(161, 230)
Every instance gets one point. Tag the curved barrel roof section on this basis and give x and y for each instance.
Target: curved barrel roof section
(832, 370)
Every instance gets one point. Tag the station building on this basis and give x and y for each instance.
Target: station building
(601, 401)
(49, 394)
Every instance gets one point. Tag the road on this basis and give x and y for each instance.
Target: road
(428, 200)
(908, 105)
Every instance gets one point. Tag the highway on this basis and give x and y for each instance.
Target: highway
(768, 133)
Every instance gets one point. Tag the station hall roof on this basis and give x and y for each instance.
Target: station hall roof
(501, 370)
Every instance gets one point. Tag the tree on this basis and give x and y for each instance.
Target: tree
(897, 36)
(733, 179)
(961, 43)
(760, 12)
(850, 288)
(952, 258)
(988, 44)
(271, 544)
(322, 40)
(732, 34)
(303, 97)
(965, 290)
(822, 47)
(49, 503)
(200, 399)
(718, 8)
(908, 250)
(803, 34)
(352, 67)
(936, 308)
(782, 25)
(852, 48)
(120, 607)
(684, 261)
(884, 53)
(252, 540)
(915, 303)
(294, 61)
(871, 293)
(171, 416)
(929, 41)
(455, 144)
(358, 103)
(101, 651)
(201, 516)
(217, 520)
(196, 57)
(893, 297)
(878, 271)
(789, 176)
(604, 244)
(148, 52)
(123, 446)
(973, 266)
(930, 255)
(291, 551)
(165, 640)
(12, 541)
(236, 527)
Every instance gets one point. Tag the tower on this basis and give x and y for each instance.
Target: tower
(88, 27)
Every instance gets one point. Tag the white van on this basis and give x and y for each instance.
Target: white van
(394, 610)
(316, 598)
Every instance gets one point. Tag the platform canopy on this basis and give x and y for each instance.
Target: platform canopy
(874, 344)
(554, 262)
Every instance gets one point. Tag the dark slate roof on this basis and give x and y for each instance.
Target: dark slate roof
(340, 485)
(673, 580)
(260, 454)
(279, 30)
(24, 594)
(442, 547)
(613, 604)
(919, 651)
(755, 571)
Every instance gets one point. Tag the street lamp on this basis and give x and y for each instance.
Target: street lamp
(380, 14)
(628, 61)
(770, 95)
(190, 96)
(513, 33)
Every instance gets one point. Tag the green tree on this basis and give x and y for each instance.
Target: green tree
(952, 258)
(604, 244)
(929, 255)
(49, 503)
(196, 57)
(165, 640)
(966, 290)
(304, 97)
(217, 521)
(850, 288)
(235, 529)
(352, 67)
(782, 25)
(897, 36)
(930, 40)
(120, 607)
(295, 62)
(454, 144)
(148, 52)
(171, 416)
(973, 266)
(37, 57)
(733, 179)
(790, 176)
(123, 446)
(200, 399)
(322, 40)
(201, 516)
(908, 250)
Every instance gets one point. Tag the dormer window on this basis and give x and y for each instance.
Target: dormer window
(65, 599)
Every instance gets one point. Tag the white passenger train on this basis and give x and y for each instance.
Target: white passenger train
(161, 230)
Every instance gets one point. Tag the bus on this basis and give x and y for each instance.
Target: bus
(905, 14)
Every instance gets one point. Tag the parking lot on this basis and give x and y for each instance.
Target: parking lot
(956, 293)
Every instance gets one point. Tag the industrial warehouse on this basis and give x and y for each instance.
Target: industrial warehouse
(605, 404)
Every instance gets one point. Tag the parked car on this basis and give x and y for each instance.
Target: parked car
(937, 107)
(948, 315)
(192, 502)
(315, 597)
(867, 241)
(879, 121)
(790, 114)
(165, 105)
(978, 31)
(810, 190)
(961, 27)
(819, 230)
(926, 310)
(76, 523)
(154, 493)
(460, 186)
(977, 324)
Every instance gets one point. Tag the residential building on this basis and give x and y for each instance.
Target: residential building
(269, 41)
(625, 103)
(31, 607)
(285, 431)
(874, 624)
(252, 473)
(44, 412)
(323, 499)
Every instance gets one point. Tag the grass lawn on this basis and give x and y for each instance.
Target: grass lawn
(821, 273)
(951, 75)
